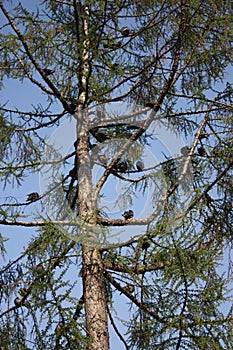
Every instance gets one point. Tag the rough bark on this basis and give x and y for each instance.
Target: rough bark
(94, 297)
(92, 268)
(93, 283)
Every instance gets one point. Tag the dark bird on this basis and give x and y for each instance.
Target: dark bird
(201, 151)
(32, 197)
(150, 104)
(185, 151)
(39, 270)
(145, 244)
(99, 135)
(125, 31)
(128, 214)
(18, 302)
(48, 71)
(210, 219)
(73, 107)
(139, 165)
(122, 166)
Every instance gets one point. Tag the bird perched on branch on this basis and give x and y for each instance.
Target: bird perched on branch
(150, 104)
(48, 71)
(139, 165)
(201, 151)
(128, 214)
(18, 302)
(122, 166)
(125, 31)
(185, 151)
(99, 134)
(32, 197)
(38, 270)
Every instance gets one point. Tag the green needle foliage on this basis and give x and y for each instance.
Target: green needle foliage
(169, 261)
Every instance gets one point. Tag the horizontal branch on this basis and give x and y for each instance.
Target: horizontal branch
(141, 269)
(31, 165)
(35, 223)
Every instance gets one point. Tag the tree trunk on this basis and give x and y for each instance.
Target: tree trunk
(95, 302)
(93, 283)
(92, 269)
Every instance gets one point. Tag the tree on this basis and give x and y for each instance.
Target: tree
(165, 61)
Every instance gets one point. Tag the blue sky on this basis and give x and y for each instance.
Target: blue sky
(22, 96)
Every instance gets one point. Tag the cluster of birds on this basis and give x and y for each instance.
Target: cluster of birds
(114, 45)
(186, 150)
(122, 165)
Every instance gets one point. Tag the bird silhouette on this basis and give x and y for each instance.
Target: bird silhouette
(128, 214)
(139, 165)
(125, 31)
(201, 151)
(185, 151)
(32, 197)
(18, 302)
(48, 71)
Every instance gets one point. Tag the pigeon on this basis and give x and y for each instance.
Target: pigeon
(48, 71)
(145, 244)
(125, 31)
(122, 166)
(185, 151)
(73, 107)
(39, 270)
(139, 165)
(18, 302)
(150, 104)
(32, 197)
(201, 151)
(128, 214)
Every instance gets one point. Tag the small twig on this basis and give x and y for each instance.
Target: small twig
(116, 329)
